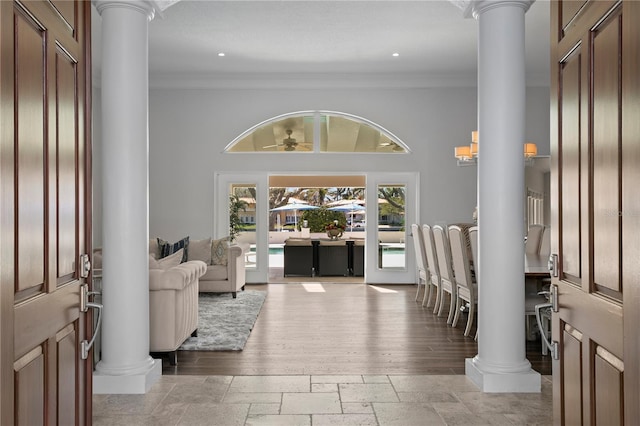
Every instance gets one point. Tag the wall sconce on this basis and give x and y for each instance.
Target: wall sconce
(467, 155)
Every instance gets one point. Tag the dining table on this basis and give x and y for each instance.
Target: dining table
(536, 266)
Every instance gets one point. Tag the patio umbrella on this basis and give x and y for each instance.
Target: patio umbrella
(294, 207)
(351, 208)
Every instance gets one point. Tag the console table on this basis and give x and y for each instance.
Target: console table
(323, 257)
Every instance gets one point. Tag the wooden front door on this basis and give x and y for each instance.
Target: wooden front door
(45, 218)
(595, 143)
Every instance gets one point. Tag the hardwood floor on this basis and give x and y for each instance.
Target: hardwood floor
(340, 328)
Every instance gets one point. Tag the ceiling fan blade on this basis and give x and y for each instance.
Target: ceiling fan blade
(271, 146)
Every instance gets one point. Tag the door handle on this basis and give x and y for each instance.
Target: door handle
(546, 340)
(85, 346)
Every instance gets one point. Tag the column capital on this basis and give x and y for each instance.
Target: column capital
(474, 8)
(147, 7)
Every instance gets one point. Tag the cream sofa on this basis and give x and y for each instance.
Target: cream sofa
(225, 264)
(173, 306)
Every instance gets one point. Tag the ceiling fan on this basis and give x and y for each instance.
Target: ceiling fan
(288, 143)
(395, 147)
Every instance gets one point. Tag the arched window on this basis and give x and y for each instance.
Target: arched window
(317, 131)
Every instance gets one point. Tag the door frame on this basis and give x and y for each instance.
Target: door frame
(373, 274)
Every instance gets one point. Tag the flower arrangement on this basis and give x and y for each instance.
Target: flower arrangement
(334, 230)
(334, 225)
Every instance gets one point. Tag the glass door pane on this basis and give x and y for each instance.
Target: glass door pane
(391, 226)
(242, 219)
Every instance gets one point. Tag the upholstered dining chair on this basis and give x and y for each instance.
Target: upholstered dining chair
(545, 242)
(534, 238)
(432, 268)
(447, 280)
(466, 288)
(421, 262)
(473, 241)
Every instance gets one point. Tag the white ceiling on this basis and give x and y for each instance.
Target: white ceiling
(347, 38)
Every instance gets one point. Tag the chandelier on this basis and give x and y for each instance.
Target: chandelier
(467, 155)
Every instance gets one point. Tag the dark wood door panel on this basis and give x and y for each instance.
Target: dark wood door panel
(68, 11)
(67, 344)
(44, 316)
(570, 150)
(30, 391)
(62, 18)
(608, 378)
(572, 383)
(67, 167)
(576, 15)
(30, 153)
(569, 10)
(594, 314)
(606, 49)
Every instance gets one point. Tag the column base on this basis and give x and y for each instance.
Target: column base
(139, 383)
(518, 382)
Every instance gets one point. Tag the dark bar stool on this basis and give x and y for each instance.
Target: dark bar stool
(298, 257)
(357, 257)
(333, 258)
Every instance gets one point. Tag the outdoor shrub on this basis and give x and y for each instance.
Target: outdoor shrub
(321, 217)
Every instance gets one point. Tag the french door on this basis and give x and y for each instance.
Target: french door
(389, 259)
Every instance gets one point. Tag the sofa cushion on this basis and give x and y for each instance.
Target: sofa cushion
(219, 250)
(200, 250)
(215, 273)
(153, 263)
(167, 248)
(174, 259)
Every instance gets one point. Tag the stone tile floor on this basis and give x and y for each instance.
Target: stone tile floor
(322, 400)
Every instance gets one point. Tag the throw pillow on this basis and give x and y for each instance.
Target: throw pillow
(172, 260)
(167, 248)
(200, 250)
(219, 251)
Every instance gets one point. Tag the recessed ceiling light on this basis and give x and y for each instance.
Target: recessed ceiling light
(396, 54)
(221, 54)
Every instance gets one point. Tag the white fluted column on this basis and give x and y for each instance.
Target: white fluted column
(501, 364)
(125, 365)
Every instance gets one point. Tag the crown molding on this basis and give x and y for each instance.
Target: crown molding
(238, 81)
(310, 80)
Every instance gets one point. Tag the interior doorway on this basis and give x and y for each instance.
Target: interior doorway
(303, 211)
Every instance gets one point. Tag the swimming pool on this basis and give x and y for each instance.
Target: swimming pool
(392, 256)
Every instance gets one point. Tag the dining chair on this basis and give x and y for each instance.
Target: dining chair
(534, 236)
(432, 268)
(447, 280)
(466, 288)
(473, 242)
(545, 242)
(421, 263)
